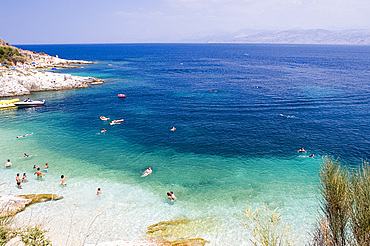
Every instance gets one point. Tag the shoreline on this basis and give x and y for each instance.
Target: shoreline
(24, 78)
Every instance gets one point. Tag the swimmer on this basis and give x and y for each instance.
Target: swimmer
(114, 122)
(25, 135)
(46, 167)
(99, 191)
(39, 173)
(25, 155)
(287, 116)
(35, 167)
(311, 156)
(302, 150)
(63, 180)
(104, 118)
(147, 172)
(173, 129)
(103, 130)
(8, 164)
(18, 181)
(171, 196)
(24, 178)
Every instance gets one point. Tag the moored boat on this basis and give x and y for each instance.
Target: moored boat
(29, 103)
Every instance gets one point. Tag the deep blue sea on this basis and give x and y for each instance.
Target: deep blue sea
(241, 112)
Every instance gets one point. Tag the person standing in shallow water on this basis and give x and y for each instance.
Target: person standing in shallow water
(24, 179)
(63, 180)
(39, 173)
(18, 179)
(99, 191)
(8, 164)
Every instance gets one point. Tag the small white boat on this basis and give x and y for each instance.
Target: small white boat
(29, 103)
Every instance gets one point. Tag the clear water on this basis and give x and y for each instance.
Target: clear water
(232, 148)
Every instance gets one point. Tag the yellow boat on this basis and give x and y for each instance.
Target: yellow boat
(8, 103)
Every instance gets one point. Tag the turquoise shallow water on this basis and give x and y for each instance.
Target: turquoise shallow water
(231, 149)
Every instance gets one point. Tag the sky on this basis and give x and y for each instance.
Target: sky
(158, 21)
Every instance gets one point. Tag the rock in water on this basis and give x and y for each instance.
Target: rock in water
(10, 205)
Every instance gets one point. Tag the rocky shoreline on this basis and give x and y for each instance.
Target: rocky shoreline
(22, 78)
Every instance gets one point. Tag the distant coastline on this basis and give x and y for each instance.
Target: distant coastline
(20, 72)
(298, 36)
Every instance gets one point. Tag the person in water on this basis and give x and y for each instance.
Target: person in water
(99, 191)
(63, 180)
(8, 164)
(147, 172)
(18, 181)
(302, 150)
(103, 130)
(23, 136)
(25, 155)
(24, 178)
(173, 129)
(39, 173)
(171, 196)
(312, 155)
(46, 167)
(35, 167)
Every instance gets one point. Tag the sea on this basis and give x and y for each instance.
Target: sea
(241, 112)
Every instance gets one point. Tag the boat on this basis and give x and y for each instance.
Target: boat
(97, 83)
(29, 103)
(121, 95)
(8, 103)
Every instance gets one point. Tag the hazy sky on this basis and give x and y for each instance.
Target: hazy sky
(127, 21)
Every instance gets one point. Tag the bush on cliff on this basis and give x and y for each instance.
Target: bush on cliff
(10, 55)
(345, 205)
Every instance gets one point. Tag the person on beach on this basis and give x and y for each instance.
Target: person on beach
(63, 180)
(18, 181)
(171, 196)
(99, 191)
(8, 164)
(24, 178)
(39, 173)
(25, 135)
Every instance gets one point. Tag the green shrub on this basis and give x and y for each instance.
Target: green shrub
(335, 191)
(360, 212)
(34, 236)
(266, 228)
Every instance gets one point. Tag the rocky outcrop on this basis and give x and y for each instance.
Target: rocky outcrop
(10, 204)
(19, 82)
(41, 60)
(19, 74)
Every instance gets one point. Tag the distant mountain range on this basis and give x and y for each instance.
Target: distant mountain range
(310, 36)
